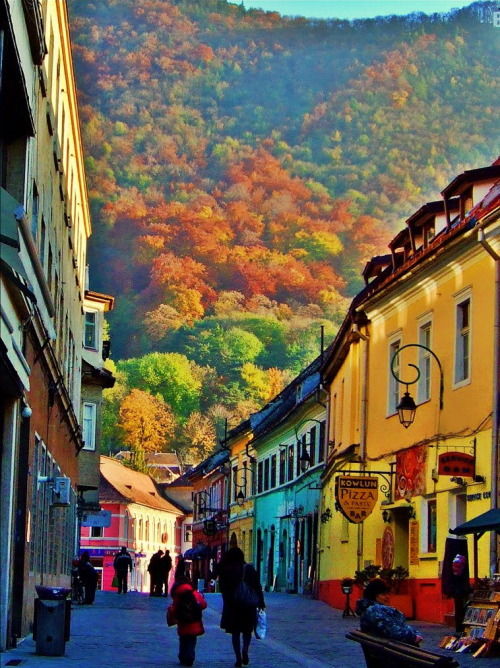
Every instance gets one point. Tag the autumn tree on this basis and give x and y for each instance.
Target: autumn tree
(147, 422)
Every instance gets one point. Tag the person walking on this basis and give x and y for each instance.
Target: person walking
(237, 618)
(88, 578)
(186, 611)
(122, 565)
(154, 573)
(165, 566)
(180, 568)
(380, 619)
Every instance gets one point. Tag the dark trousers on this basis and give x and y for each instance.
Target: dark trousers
(187, 647)
(122, 581)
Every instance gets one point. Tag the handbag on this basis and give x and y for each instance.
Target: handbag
(114, 582)
(171, 618)
(245, 596)
(261, 625)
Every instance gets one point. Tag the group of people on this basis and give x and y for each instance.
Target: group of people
(159, 568)
(238, 617)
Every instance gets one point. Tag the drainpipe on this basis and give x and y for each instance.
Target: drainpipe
(496, 394)
(362, 430)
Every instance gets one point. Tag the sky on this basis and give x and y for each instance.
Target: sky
(353, 9)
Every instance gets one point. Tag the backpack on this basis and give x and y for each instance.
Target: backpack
(187, 609)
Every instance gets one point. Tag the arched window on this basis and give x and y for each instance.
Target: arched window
(141, 536)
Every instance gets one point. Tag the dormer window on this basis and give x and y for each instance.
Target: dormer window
(466, 203)
(429, 234)
(298, 393)
(90, 333)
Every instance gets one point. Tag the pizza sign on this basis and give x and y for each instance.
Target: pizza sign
(356, 496)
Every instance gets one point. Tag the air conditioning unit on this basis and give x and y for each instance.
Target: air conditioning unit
(61, 493)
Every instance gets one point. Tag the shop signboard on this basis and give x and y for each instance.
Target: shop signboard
(457, 464)
(356, 496)
(101, 518)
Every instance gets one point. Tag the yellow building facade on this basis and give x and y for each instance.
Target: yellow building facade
(241, 489)
(429, 326)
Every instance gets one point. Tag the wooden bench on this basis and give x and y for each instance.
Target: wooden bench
(383, 653)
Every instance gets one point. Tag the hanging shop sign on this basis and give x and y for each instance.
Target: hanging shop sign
(356, 496)
(457, 464)
(210, 527)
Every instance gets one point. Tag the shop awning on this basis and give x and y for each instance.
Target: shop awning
(488, 521)
(198, 552)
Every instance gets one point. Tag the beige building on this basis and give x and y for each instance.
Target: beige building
(44, 226)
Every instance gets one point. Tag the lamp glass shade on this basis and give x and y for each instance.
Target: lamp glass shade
(406, 410)
(305, 459)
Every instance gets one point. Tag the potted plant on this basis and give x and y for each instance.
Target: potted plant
(347, 585)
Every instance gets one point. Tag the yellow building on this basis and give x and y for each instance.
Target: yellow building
(241, 489)
(430, 311)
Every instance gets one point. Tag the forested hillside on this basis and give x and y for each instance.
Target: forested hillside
(243, 167)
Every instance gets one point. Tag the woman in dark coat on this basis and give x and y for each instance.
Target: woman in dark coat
(238, 620)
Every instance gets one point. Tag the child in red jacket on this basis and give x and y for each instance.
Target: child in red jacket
(185, 611)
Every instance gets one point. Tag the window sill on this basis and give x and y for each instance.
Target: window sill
(428, 556)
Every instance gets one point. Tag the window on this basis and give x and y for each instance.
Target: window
(431, 525)
(273, 471)
(260, 477)
(393, 398)
(312, 447)
(235, 483)
(321, 444)
(290, 462)
(266, 474)
(282, 466)
(34, 212)
(188, 533)
(96, 532)
(462, 341)
(89, 424)
(90, 335)
(424, 363)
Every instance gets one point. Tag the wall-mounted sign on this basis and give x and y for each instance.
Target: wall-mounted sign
(410, 472)
(413, 540)
(101, 518)
(387, 548)
(457, 464)
(356, 496)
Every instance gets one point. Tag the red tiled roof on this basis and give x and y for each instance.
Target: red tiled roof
(123, 483)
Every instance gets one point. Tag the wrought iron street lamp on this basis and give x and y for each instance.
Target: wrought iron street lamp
(304, 456)
(407, 407)
(241, 496)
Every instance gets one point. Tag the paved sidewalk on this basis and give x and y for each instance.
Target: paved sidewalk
(131, 630)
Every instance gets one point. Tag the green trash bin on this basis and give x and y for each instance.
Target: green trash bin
(52, 620)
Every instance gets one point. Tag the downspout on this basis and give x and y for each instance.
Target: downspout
(363, 427)
(496, 395)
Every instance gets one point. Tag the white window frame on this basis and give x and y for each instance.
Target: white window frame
(89, 425)
(424, 360)
(424, 526)
(393, 387)
(460, 376)
(86, 326)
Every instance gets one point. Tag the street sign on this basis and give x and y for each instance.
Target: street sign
(101, 518)
(356, 496)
